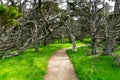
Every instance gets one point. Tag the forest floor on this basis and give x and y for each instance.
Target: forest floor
(60, 67)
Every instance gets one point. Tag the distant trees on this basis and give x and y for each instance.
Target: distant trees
(99, 25)
(43, 21)
(112, 29)
(36, 24)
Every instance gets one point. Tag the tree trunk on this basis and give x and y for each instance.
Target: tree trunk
(45, 42)
(70, 39)
(108, 47)
(74, 48)
(81, 32)
(37, 45)
(94, 46)
(81, 37)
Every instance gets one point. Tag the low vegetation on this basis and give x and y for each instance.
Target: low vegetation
(30, 65)
(93, 67)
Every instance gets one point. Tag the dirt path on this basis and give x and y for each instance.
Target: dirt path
(60, 67)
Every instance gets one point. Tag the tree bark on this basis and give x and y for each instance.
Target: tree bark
(94, 46)
(37, 45)
(74, 48)
(108, 47)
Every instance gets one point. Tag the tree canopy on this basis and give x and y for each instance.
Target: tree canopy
(8, 16)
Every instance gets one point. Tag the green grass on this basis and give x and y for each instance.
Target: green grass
(104, 67)
(29, 65)
(32, 66)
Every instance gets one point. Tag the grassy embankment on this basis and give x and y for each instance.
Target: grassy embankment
(93, 67)
(29, 65)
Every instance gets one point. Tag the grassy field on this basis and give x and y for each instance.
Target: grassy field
(32, 66)
(93, 67)
(29, 65)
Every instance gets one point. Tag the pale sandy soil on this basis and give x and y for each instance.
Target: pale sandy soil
(60, 67)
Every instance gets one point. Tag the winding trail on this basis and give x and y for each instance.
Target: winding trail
(60, 67)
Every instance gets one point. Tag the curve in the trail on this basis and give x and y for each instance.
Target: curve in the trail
(60, 67)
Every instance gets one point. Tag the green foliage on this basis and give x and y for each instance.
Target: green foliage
(29, 65)
(103, 67)
(8, 16)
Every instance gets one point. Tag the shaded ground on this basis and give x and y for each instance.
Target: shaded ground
(60, 67)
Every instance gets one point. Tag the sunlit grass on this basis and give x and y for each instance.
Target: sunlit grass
(93, 67)
(29, 65)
